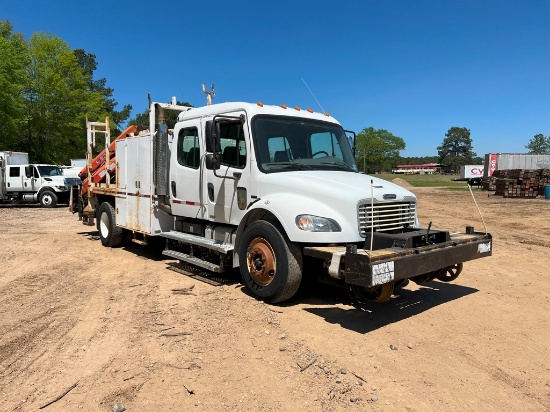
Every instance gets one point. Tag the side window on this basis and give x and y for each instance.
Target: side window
(279, 150)
(325, 144)
(233, 145)
(188, 150)
(15, 171)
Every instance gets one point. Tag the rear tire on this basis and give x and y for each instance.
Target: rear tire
(110, 234)
(271, 265)
(48, 199)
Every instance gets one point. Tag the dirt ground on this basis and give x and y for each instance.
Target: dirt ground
(97, 329)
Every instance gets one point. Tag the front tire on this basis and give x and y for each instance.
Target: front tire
(48, 199)
(271, 265)
(110, 234)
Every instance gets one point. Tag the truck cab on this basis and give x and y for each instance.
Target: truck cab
(233, 161)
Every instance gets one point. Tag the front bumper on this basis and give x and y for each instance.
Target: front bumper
(373, 268)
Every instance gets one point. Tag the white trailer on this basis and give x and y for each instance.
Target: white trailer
(271, 190)
(473, 174)
(510, 161)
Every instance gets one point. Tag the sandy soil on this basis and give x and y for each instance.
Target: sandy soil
(107, 326)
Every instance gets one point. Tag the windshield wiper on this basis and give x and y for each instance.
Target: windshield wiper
(340, 164)
(289, 166)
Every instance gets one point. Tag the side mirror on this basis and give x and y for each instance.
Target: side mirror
(212, 161)
(212, 136)
(351, 139)
(28, 172)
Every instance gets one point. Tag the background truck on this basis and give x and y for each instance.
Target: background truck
(74, 169)
(473, 174)
(271, 190)
(21, 182)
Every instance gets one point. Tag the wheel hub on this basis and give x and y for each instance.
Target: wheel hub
(261, 262)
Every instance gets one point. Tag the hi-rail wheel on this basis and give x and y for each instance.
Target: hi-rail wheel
(375, 294)
(450, 273)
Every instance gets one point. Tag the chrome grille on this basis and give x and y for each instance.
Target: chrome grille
(386, 216)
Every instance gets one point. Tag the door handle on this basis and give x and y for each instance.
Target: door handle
(173, 185)
(211, 191)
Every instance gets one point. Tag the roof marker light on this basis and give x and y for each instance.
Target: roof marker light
(326, 114)
(283, 106)
(297, 108)
(309, 110)
(260, 104)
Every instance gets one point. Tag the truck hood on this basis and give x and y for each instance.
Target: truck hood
(332, 185)
(61, 180)
(336, 195)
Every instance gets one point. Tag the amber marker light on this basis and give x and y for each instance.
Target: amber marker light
(297, 108)
(260, 104)
(283, 106)
(309, 110)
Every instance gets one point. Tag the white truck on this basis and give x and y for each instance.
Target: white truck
(21, 182)
(271, 190)
(74, 169)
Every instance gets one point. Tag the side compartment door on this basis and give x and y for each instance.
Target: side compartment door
(134, 158)
(228, 188)
(186, 171)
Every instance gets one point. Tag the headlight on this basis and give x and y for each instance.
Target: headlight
(61, 188)
(311, 223)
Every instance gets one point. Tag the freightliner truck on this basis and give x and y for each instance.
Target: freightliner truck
(271, 190)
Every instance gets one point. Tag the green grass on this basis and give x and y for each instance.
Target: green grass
(442, 181)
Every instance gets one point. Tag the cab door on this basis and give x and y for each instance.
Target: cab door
(15, 178)
(228, 192)
(186, 171)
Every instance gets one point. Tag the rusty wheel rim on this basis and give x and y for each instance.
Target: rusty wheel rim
(261, 263)
(380, 293)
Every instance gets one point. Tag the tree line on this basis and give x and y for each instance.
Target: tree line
(379, 150)
(47, 90)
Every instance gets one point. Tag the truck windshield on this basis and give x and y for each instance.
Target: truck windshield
(291, 143)
(50, 171)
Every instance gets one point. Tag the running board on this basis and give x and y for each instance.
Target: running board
(193, 260)
(188, 238)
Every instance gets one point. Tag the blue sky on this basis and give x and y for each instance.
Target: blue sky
(415, 68)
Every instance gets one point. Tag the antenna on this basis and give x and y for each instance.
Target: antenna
(209, 95)
(323, 110)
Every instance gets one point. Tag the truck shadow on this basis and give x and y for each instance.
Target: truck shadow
(371, 316)
(363, 318)
(129, 246)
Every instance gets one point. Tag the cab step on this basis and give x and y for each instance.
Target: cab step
(188, 238)
(193, 260)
